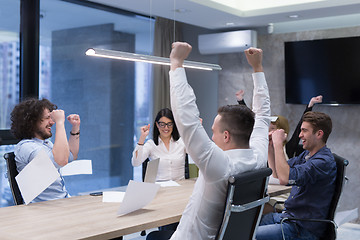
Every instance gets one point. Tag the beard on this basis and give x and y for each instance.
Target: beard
(43, 134)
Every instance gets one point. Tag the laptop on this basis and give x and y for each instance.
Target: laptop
(151, 171)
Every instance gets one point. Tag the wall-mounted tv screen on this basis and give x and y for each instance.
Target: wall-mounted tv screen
(328, 67)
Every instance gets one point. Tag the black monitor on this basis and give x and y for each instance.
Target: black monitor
(328, 67)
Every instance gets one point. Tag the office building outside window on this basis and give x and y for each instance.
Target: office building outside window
(112, 97)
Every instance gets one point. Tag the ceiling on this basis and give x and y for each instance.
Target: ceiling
(234, 14)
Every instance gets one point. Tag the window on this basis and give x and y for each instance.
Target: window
(9, 81)
(105, 93)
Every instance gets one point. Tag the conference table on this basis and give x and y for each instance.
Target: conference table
(87, 217)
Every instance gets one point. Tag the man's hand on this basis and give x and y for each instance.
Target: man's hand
(254, 58)
(74, 120)
(180, 51)
(58, 116)
(278, 136)
(314, 100)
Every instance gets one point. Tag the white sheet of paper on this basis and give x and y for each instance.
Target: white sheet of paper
(273, 180)
(169, 183)
(113, 196)
(39, 174)
(77, 167)
(138, 195)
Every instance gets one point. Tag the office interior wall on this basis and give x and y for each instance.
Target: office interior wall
(345, 137)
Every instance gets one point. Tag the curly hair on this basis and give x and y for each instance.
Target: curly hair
(165, 112)
(26, 115)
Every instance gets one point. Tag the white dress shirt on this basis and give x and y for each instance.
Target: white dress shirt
(172, 161)
(203, 214)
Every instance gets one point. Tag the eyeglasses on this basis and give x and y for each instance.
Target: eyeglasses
(163, 124)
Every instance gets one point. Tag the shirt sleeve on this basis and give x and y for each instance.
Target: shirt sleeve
(143, 152)
(28, 150)
(259, 140)
(310, 171)
(202, 150)
(25, 153)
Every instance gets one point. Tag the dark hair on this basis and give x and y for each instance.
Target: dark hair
(239, 121)
(26, 115)
(165, 112)
(319, 121)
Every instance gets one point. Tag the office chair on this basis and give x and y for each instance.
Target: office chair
(187, 172)
(11, 174)
(246, 196)
(331, 229)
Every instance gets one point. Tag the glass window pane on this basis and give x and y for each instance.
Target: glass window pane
(9, 80)
(9, 59)
(101, 91)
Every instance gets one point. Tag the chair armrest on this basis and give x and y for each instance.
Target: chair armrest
(250, 205)
(308, 220)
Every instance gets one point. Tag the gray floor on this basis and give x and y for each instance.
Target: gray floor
(347, 231)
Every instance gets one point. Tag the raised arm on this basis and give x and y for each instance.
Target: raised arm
(186, 114)
(240, 97)
(61, 146)
(139, 153)
(281, 169)
(261, 107)
(293, 143)
(74, 139)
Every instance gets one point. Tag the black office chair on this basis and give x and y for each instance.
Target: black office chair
(331, 229)
(11, 174)
(246, 196)
(187, 173)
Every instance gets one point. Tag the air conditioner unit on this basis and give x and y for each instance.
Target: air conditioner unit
(227, 42)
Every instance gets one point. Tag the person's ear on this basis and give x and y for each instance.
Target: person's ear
(320, 134)
(226, 136)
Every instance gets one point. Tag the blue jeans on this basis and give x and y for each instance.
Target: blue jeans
(270, 229)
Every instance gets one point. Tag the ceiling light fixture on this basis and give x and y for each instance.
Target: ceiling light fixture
(96, 52)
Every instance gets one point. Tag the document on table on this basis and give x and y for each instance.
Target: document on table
(169, 183)
(77, 167)
(113, 196)
(138, 195)
(39, 174)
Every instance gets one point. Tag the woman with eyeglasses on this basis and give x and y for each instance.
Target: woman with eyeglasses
(166, 145)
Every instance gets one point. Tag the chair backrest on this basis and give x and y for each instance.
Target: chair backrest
(246, 197)
(187, 173)
(341, 164)
(11, 174)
